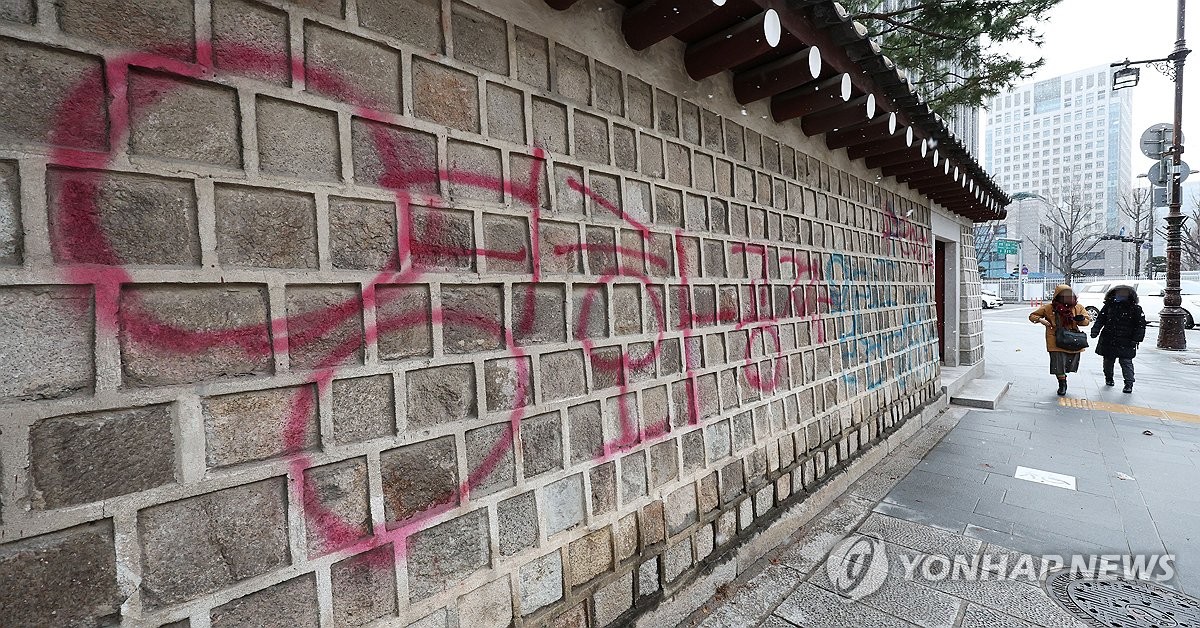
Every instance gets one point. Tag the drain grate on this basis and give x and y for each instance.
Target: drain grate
(1123, 603)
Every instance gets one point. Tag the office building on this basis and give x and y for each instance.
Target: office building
(1066, 137)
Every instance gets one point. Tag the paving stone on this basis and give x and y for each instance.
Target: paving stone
(314, 341)
(445, 96)
(810, 548)
(633, 476)
(405, 328)
(258, 227)
(541, 444)
(976, 616)
(183, 120)
(587, 437)
(364, 408)
(480, 37)
(439, 395)
(247, 426)
(755, 599)
(918, 537)
(46, 340)
(437, 619)
(898, 596)
(810, 605)
(1024, 601)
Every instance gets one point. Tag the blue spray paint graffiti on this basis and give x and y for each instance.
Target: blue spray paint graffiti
(860, 290)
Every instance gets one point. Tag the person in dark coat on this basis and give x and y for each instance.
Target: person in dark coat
(1121, 325)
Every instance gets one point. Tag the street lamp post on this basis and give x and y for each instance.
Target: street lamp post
(1173, 318)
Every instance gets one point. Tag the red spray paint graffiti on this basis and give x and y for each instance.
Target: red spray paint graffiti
(90, 258)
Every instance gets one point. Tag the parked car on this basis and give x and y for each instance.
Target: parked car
(991, 299)
(1091, 295)
(1150, 292)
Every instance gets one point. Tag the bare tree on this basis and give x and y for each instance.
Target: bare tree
(1077, 231)
(986, 234)
(1136, 204)
(1189, 237)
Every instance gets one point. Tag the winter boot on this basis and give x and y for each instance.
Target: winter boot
(1108, 381)
(1062, 387)
(1128, 388)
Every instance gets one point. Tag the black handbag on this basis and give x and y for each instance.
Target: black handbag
(1070, 340)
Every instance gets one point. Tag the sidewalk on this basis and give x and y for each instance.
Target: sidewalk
(992, 491)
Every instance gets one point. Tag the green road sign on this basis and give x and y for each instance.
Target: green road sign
(1007, 247)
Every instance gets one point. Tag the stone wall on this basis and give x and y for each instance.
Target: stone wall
(404, 311)
(970, 333)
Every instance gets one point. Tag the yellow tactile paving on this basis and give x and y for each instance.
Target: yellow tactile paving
(1087, 404)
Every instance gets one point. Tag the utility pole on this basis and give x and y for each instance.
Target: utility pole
(1173, 317)
(1150, 256)
(1169, 172)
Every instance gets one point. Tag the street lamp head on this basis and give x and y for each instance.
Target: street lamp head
(1127, 76)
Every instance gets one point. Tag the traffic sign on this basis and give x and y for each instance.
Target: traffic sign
(1024, 270)
(1007, 247)
(1162, 196)
(1159, 175)
(1157, 139)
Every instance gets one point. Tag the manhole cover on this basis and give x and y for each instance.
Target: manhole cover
(1123, 603)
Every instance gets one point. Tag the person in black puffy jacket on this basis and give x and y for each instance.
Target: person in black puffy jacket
(1121, 325)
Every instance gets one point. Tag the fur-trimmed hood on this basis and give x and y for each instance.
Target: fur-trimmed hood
(1112, 292)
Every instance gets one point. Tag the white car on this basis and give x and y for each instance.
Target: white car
(990, 299)
(1150, 296)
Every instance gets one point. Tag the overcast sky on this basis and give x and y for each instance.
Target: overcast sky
(1086, 33)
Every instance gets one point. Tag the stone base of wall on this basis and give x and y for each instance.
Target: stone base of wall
(673, 605)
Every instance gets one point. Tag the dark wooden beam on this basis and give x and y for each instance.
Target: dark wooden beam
(903, 139)
(812, 98)
(733, 46)
(881, 127)
(919, 152)
(652, 21)
(856, 111)
(898, 170)
(776, 77)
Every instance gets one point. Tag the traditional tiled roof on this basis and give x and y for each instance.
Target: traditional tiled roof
(819, 67)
